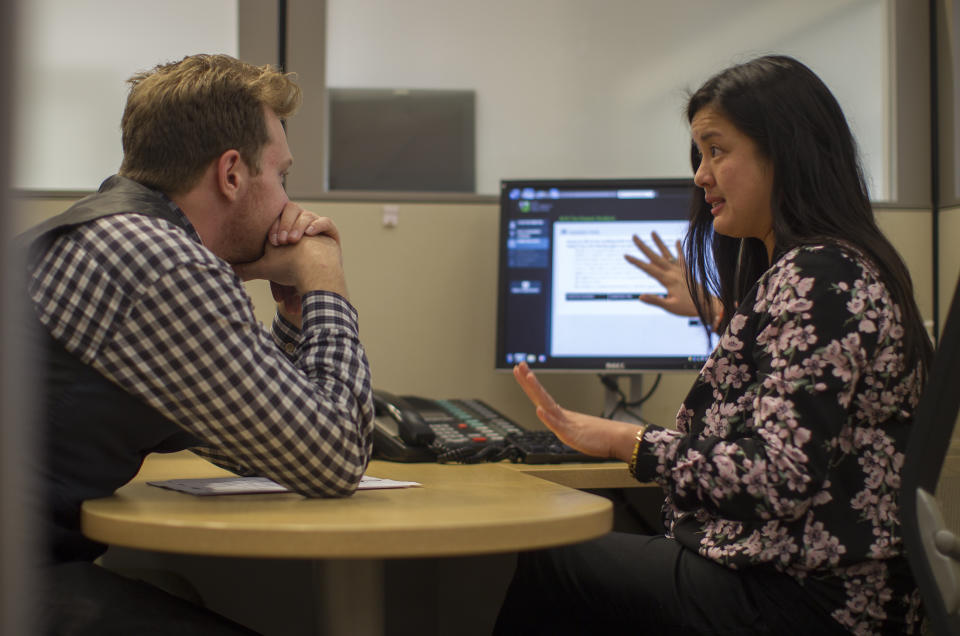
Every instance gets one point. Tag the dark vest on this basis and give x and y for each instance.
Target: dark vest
(96, 435)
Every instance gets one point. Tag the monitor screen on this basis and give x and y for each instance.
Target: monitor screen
(567, 299)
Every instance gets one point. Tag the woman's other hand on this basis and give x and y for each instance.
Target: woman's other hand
(668, 270)
(586, 433)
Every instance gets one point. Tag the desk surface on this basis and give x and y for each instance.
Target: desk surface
(460, 510)
(588, 475)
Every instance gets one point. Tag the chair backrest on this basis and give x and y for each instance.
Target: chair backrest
(930, 497)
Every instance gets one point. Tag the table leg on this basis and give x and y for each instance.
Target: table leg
(350, 597)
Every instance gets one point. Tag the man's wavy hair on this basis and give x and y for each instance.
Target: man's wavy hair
(181, 116)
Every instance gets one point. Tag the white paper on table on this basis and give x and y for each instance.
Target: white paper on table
(258, 485)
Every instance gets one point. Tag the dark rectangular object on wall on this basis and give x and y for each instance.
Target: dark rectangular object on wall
(402, 140)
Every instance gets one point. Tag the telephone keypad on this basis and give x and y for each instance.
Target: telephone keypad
(467, 422)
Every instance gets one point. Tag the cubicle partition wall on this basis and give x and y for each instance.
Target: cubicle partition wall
(426, 292)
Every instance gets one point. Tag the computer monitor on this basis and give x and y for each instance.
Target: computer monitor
(567, 299)
(401, 139)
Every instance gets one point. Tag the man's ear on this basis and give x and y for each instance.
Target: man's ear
(232, 174)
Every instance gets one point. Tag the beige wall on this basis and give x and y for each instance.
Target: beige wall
(426, 291)
(911, 232)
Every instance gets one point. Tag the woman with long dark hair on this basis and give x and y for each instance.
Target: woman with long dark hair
(781, 480)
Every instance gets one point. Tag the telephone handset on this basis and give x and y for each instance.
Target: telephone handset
(400, 433)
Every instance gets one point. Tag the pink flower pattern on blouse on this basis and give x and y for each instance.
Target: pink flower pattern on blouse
(789, 446)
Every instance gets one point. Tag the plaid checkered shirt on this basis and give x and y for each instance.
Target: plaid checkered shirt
(149, 307)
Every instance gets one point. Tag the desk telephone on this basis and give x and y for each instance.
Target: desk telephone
(414, 429)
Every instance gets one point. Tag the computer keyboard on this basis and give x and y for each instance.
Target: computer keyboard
(543, 447)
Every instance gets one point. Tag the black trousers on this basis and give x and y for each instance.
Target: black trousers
(635, 584)
(83, 599)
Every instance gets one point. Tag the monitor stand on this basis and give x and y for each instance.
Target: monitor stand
(611, 398)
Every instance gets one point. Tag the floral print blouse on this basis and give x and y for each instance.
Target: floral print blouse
(789, 446)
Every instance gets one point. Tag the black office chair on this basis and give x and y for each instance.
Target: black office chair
(930, 501)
